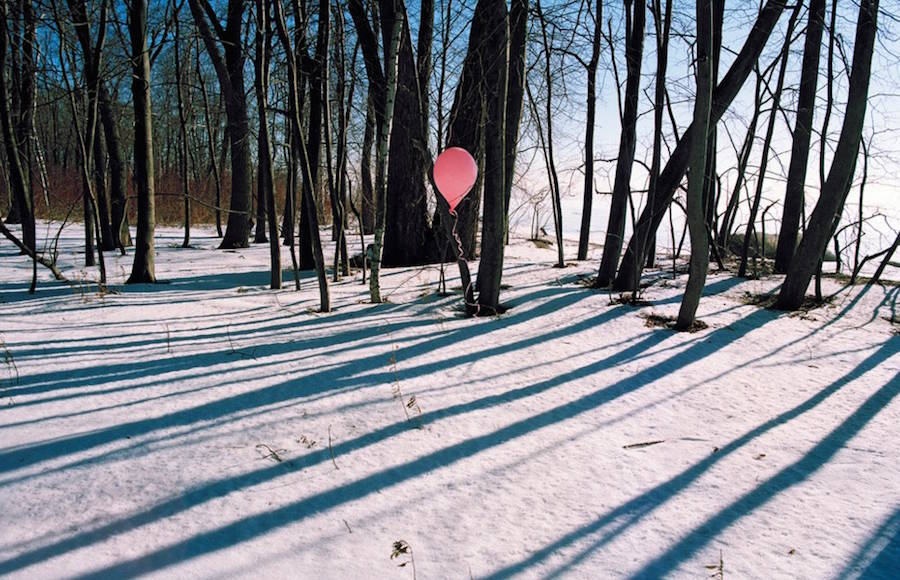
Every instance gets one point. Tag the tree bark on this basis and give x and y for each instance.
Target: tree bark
(143, 269)
(230, 72)
(663, 24)
(367, 204)
(696, 214)
(267, 193)
(830, 203)
(494, 79)
(588, 194)
(15, 156)
(183, 135)
(295, 110)
(796, 179)
(407, 231)
(615, 230)
(515, 92)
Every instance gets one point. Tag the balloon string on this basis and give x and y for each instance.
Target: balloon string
(462, 259)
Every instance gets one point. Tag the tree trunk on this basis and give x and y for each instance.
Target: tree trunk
(295, 110)
(210, 143)
(796, 179)
(267, 193)
(493, 235)
(663, 25)
(230, 72)
(671, 176)
(615, 230)
(117, 188)
(367, 204)
(830, 203)
(183, 136)
(143, 270)
(696, 214)
(407, 232)
(17, 135)
(515, 91)
(584, 237)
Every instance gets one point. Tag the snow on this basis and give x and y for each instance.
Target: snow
(212, 428)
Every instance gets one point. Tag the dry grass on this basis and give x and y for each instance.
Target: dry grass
(768, 300)
(668, 322)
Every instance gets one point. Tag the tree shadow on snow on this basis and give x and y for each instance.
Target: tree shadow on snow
(356, 374)
(620, 519)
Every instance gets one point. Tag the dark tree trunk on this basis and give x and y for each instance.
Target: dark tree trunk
(367, 205)
(17, 135)
(230, 72)
(830, 204)
(267, 192)
(796, 179)
(16, 157)
(183, 136)
(615, 230)
(107, 239)
(117, 189)
(406, 227)
(663, 24)
(518, 31)
(494, 79)
(696, 217)
(588, 194)
(143, 270)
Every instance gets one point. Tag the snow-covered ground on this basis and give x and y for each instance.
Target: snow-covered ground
(211, 428)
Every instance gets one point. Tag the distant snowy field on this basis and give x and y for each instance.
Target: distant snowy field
(211, 428)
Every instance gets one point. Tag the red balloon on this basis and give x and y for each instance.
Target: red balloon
(454, 174)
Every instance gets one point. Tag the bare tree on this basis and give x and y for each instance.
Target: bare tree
(615, 231)
(493, 237)
(662, 21)
(834, 189)
(230, 72)
(383, 89)
(295, 111)
(591, 70)
(143, 269)
(546, 143)
(18, 174)
(767, 141)
(695, 206)
(673, 172)
(796, 179)
(267, 192)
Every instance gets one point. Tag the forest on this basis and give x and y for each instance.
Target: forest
(348, 105)
(225, 225)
